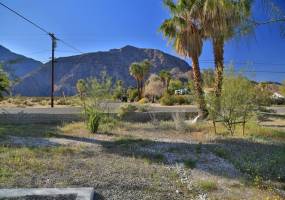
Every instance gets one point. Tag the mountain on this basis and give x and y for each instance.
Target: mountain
(17, 65)
(115, 62)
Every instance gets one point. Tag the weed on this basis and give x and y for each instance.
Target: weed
(219, 151)
(190, 163)
(208, 185)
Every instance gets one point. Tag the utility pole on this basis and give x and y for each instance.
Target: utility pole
(53, 40)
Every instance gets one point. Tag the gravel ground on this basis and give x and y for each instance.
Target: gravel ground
(115, 173)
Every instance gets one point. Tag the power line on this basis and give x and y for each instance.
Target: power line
(244, 62)
(41, 28)
(34, 24)
(69, 45)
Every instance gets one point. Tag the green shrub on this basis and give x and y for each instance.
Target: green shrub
(167, 100)
(143, 108)
(219, 151)
(175, 85)
(236, 104)
(190, 163)
(93, 119)
(132, 94)
(179, 100)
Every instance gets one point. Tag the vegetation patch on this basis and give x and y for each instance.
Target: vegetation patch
(190, 163)
(221, 152)
(207, 186)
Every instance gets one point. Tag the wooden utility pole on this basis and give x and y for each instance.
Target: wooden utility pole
(53, 39)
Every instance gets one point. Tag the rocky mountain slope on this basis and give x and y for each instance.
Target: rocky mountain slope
(17, 65)
(116, 62)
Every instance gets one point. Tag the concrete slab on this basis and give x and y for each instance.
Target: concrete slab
(82, 193)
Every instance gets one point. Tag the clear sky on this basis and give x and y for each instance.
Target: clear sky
(98, 25)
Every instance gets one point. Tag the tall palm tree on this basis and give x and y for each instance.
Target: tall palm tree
(139, 71)
(184, 31)
(136, 72)
(165, 77)
(219, 20)
(145, 67)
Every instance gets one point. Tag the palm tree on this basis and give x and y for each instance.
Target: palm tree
(165, 77)
(136, 72)
(139, 71)
(146, 66)
(219, 21)
(184, 31)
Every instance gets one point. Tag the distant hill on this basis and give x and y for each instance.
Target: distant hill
(116, 62)
(17, 65)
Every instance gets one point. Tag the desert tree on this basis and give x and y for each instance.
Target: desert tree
(118, 89)
(237, 102)
(81, 88)
(154, 87)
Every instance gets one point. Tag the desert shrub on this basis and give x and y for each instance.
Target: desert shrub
(179, 121)
(190, 163)
(143, 101)
(207, 185)
(94, 118)
(236, 104)
(98, 92)
(182, 99)
(143, 108)
(179, 99)
(124, 109)
(132, 94)
(154, 88)
(223, 153)
(170, 100)
(119, 90)
(175, 85)
(28, 103)
(61, 101)
(167, 100)
(43, 102)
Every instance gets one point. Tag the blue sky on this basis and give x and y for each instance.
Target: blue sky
(98, 25)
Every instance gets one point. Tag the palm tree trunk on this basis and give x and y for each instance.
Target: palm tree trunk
(218, 44)
(138, 87)
(142, 88)
(198, 87)
(167, 85)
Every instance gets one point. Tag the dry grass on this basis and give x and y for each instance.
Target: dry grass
(19, 101)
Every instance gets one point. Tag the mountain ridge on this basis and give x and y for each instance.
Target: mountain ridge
(16, 64)
(115, 61)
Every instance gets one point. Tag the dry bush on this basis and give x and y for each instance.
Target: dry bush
(179, 121)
